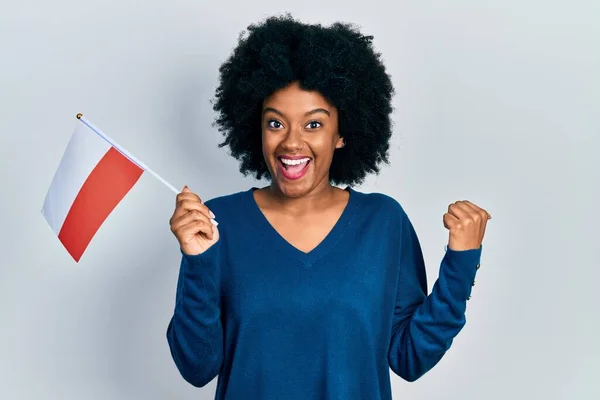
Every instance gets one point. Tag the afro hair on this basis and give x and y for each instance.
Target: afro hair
(337, 61)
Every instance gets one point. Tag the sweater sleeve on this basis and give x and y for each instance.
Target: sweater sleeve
(424, 326)
(195, 333)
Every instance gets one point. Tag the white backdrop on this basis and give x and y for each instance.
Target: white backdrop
(497, 103)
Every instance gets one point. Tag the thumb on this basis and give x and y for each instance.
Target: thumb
(186, 189)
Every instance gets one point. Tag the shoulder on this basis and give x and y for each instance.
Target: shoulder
(380, 207)
(379, 202)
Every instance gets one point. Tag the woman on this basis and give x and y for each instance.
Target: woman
(305, 290)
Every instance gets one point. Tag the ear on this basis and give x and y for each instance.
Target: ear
(340, 143)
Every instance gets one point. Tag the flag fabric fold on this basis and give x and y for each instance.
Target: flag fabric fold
(92, 178)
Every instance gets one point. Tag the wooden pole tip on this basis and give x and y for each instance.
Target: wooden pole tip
(79, 115)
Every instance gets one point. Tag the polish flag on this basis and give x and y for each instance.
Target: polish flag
(93, 176)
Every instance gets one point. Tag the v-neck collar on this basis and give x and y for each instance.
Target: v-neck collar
(286, 248)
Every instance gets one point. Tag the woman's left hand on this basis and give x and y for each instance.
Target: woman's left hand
(466, 223)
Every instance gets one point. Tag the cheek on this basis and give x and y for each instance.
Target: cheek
(265, 142)
(269, 145)
(323, 147)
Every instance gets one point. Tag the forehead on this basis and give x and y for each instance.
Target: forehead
(293, 98)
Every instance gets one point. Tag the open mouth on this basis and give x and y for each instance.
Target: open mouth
(294, 168)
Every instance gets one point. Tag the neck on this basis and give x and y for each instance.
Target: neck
(317, 198)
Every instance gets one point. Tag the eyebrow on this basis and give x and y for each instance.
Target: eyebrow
(316, 110)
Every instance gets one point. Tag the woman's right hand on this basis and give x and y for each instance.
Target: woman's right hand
(192, 224)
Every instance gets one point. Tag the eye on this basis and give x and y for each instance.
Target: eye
(313, 125)
(273, 123)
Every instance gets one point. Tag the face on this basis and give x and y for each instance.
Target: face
(299, 137)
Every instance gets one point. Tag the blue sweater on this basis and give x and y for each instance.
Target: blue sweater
(274, 322)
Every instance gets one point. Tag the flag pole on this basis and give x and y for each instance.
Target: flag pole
(126, 153)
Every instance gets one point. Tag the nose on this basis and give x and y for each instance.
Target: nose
(293, 141)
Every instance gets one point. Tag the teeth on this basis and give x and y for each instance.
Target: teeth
(287, 161)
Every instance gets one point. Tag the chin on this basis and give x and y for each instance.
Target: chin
(293, 189)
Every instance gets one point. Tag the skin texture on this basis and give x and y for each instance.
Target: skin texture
(466, 223)
(298, 122)
(191, 223)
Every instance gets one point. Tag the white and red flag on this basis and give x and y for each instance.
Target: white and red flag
(93, 176)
